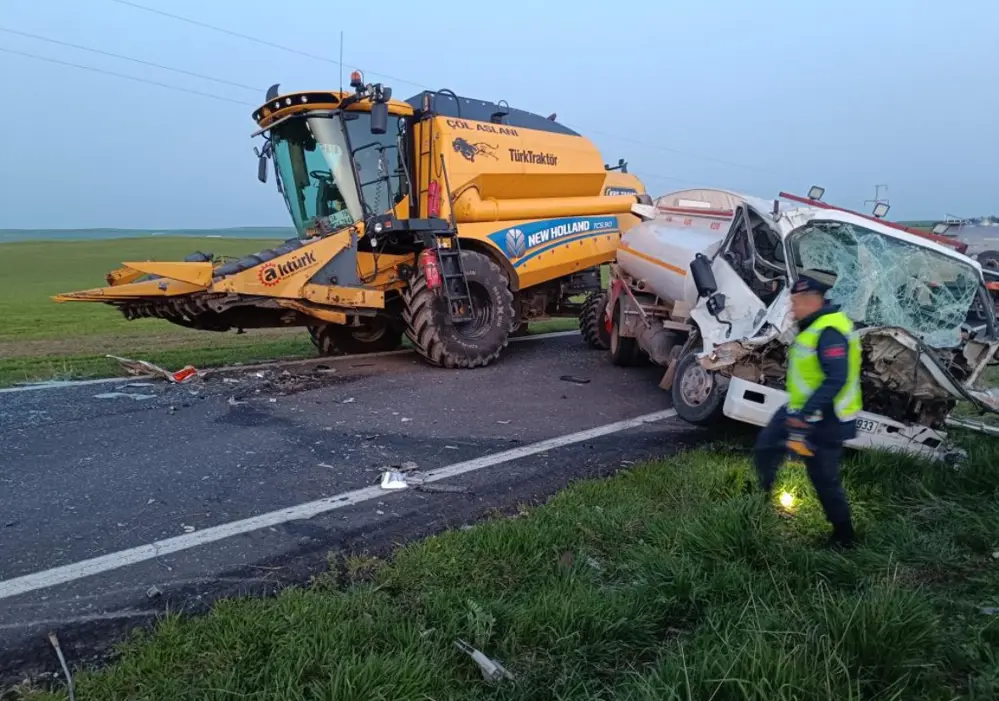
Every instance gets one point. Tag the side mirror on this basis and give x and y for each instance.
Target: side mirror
(815, 192)
(262, 169)
(379, 118)
(881, 209)
(704, 276)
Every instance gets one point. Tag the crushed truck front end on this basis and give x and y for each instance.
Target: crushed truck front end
(923, 312)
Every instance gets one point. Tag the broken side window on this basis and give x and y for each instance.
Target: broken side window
(881, 280)
(755, 252)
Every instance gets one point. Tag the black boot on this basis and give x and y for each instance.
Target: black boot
(842, 536)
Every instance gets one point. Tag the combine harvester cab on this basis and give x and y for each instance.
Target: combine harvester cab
(452, 221)
(702, 290)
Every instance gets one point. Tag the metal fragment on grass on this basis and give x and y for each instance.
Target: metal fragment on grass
(490, 668)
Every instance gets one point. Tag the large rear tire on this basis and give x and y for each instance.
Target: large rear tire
(594, 324)
(466, 344)
(375, 336)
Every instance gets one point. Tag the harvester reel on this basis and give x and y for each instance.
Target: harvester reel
(466, 344)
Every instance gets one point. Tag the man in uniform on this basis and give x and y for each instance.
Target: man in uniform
(824, 397)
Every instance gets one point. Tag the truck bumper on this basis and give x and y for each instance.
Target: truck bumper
(752, 403)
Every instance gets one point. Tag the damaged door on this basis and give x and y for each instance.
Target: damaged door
(750, 281)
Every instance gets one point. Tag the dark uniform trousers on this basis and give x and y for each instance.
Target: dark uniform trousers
(826, 439)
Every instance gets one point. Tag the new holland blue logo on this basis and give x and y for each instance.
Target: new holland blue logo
(522, 242)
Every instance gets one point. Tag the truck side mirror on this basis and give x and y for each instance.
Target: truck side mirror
(262, 169)
(379, 118)
(704, 276)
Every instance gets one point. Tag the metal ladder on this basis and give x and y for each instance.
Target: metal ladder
(455, 284)
(445, 243)
(453, 280)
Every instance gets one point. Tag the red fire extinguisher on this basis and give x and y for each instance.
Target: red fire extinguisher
(430, 265)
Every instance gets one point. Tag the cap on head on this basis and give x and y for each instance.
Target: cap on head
(806, 283)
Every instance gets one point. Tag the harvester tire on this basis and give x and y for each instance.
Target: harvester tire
(373, 337)
(594, 322)
(470, 344)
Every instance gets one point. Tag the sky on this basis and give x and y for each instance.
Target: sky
(758, 96)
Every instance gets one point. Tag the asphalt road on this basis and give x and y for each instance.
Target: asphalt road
(99, 471)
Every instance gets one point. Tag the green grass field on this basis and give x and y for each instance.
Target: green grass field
(670, 581)
(41, 339)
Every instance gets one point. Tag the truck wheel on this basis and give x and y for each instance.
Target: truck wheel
(464, 344)
(624, 350)
(376, 336)
(989, 259)
(594, 324)
(697, 397)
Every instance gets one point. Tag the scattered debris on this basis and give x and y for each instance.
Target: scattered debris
(348, 400)
(327, 466)
(153, 592)
(404, 419)
(124, 395)
(503, 422)
(142, 367)
(230, 380)
(393, 480)
(450, 447)
(491, 669)
(408, 466)
(235, 402)
(575, 380)
(443, 488)
(65, 667)
(187, 529)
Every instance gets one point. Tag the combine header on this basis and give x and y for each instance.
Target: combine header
(452, 221)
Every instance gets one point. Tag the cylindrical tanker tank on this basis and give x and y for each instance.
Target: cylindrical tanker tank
(660, 255)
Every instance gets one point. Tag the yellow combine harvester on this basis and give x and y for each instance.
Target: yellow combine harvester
(454, 221)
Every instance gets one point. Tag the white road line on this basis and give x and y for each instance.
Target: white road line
(246, 368)
(131, 556)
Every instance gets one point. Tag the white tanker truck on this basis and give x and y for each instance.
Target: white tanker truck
(701, 289)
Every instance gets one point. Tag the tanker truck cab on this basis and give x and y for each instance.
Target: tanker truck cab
(922, 311)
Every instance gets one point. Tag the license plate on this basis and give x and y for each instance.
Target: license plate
(867, 425)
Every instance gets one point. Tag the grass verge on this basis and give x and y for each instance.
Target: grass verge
(41, 339)
(669, 581)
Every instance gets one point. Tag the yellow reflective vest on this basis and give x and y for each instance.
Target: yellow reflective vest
(804, 371)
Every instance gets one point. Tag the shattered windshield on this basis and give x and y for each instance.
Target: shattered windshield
(880, 280)
(317, 178)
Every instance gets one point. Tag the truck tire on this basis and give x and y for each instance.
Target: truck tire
(989, 259)
(466, 344)
(624, 350)
(593, 321)
(697, 397)
(376, 336)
